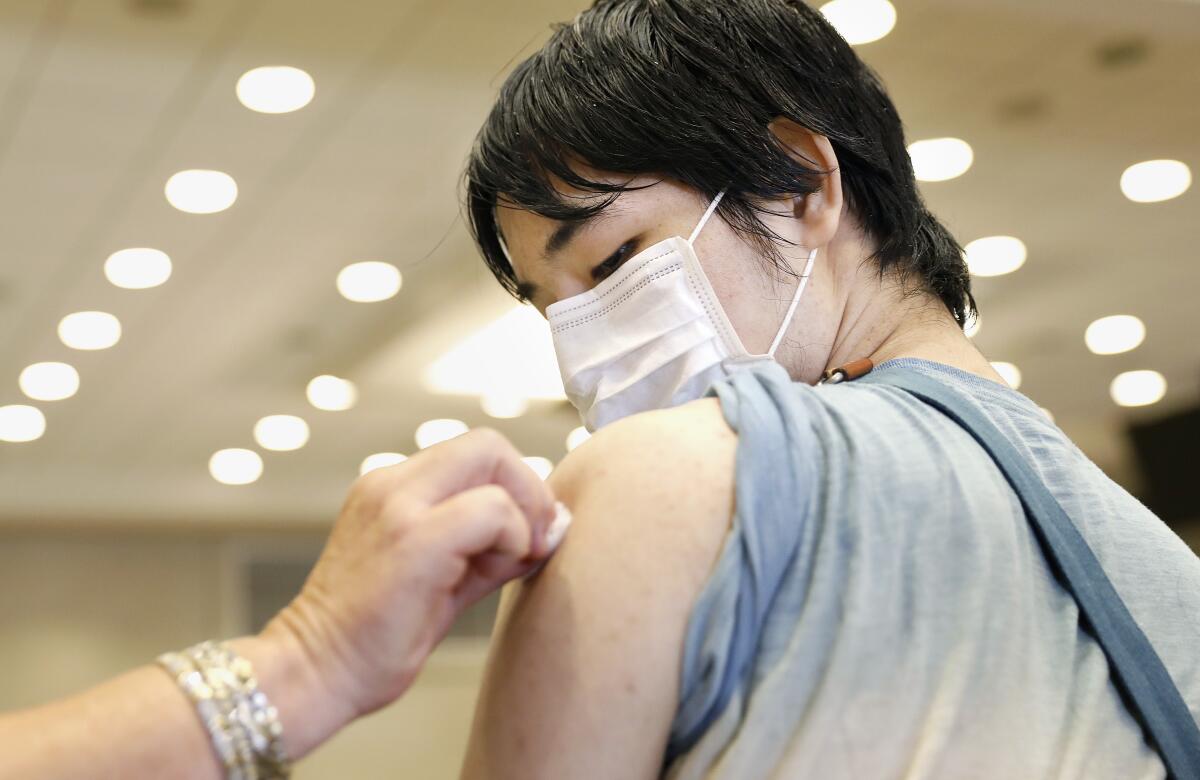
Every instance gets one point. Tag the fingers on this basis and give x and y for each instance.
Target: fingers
(480, 520)
(479, 457)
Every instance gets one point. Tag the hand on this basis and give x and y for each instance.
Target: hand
(413, 546)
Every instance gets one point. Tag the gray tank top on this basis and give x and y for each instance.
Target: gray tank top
(881, 609)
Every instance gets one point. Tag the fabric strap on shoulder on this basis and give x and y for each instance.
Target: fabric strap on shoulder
(1139, 673)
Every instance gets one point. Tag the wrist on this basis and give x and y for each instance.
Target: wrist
(310, 709)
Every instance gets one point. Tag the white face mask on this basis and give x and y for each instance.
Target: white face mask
(651, 335)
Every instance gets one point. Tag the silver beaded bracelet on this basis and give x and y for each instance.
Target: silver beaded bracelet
(242, 725)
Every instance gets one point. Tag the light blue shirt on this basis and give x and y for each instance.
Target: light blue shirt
(881, 608)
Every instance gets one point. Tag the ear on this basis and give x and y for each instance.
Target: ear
(819, 212)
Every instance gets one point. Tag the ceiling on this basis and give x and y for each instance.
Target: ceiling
(102, 100)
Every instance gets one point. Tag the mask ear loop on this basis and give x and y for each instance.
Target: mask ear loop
(787, 320)
(504, 249)
(712, 207)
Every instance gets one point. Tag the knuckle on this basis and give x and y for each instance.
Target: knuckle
(494, 498)
(489, 438)
(371, 485)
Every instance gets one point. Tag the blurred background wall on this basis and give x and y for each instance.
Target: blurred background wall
(237, 342)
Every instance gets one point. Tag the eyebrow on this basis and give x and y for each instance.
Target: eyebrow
(562, 236)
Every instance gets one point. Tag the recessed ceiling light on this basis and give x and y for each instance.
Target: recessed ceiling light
(940, 159)
(995, 255)
(972, 327)
(504, 406)
(331, 393)
(513, 355)
(275, 89)
(437, 431)
(369, 281)
(138, 268)
(235, 466)
(380, 460)
(89, 330)
(201, 192)
(541, 466)
(1115, 334)
(19, 423)
(1009, 372)
(577, 437)
(49, 381)
(861, 21)
(1155, 180)
(1138, 388)
(281, 432)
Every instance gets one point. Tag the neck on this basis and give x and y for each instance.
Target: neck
(883, 320)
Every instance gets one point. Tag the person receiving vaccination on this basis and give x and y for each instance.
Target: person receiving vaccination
(815, 533)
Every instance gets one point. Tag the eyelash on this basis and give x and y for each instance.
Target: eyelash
(613, 262)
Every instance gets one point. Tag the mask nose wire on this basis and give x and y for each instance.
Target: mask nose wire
(700, 225)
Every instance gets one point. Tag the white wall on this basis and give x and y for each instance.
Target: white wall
(76, 609)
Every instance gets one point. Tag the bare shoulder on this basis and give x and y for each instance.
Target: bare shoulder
(652, 496)
(587, 654)
(665, 471)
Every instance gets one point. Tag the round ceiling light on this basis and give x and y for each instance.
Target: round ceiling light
(1138, 388)
(369, 281)
(201, 191)
(940, 159)
(138, 268)
(1155, 180)
(235, 466)
(20, 423)
(860, 21)
(331, 393)
(541, 466)
(49, 381)
(437, 431)
(380, 460)
(995, 255)
(1114, 335)
(281, 432)
(89, 330)
(275, 89)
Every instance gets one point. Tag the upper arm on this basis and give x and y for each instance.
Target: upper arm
(583, 677)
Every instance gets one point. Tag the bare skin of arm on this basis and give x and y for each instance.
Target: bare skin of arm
(140, 724)
(414, 545)
(583, 680)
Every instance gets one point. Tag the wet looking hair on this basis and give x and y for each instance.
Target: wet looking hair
(685, 90)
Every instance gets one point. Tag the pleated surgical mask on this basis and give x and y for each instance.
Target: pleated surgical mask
(652, 335)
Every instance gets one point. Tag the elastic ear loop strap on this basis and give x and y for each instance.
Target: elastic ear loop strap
(711, 208)
(791, 312)
(504, 249)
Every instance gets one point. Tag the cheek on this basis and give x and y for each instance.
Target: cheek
(754, 296)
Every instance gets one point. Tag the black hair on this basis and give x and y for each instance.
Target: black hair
(686, 89)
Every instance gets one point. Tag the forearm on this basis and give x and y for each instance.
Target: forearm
(136, 725)
(142, 725)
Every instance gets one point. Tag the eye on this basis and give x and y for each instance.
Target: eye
(614, 261)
